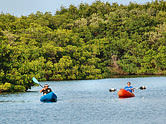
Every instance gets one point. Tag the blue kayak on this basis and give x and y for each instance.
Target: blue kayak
(50, 97)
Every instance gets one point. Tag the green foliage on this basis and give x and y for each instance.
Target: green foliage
(84, 42)
(19, 88)
(6, 86)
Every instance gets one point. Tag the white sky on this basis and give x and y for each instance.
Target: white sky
(26, 7)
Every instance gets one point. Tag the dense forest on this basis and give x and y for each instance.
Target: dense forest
(82, 42)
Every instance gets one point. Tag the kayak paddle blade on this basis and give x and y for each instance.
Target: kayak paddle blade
(35, 80)
(142, 88)
(112, 90)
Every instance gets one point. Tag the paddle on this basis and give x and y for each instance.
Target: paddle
(36, 81)
(141, 88)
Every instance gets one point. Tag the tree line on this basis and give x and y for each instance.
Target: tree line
(82, 42)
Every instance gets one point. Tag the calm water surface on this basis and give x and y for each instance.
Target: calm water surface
(88, 102)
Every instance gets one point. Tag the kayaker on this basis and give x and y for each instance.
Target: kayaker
(46, 90)
(129, 87)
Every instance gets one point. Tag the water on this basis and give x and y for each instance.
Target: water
(88, 102)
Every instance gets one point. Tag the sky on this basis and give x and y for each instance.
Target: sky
(26, 7)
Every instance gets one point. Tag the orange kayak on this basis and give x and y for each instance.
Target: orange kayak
(125, 94)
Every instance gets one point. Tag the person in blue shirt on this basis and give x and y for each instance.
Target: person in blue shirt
(129, 87)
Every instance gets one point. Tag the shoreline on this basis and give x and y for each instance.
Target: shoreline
(113, 76)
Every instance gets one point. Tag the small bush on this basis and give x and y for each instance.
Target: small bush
(19, 88)
(6, 86)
